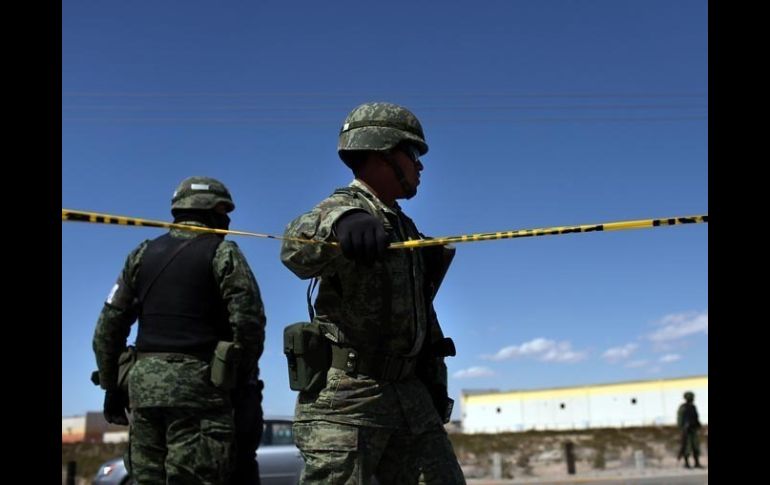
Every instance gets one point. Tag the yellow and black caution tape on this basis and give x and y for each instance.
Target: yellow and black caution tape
(553, 231)
(95, 217)
(82, 216)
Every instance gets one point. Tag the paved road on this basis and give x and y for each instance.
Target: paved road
(674, 478)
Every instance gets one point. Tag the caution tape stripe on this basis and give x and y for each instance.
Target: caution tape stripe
(551, 231)
(82, 216)
(94, 217)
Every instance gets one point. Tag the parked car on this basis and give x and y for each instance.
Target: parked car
(279, 460)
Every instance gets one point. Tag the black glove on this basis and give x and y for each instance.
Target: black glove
(115, 404)
(362, 237)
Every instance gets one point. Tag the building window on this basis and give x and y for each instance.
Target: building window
(562, 405)
(633, 400)
(498, 410)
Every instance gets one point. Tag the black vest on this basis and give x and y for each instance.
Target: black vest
(182, 311)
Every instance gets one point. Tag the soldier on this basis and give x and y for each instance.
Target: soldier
(379, 408)
(200, 335)
(689, 424)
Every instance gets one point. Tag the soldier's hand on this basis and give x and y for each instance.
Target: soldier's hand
(115, 404)
(362, 237)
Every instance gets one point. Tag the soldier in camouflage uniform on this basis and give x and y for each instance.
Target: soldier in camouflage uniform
(689, 424)
(374, 417)
(189, 290)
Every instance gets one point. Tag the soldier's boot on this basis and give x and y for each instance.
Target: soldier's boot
(687, 462)
(697, 463)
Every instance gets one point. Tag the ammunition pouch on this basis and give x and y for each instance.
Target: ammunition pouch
(126, 361)
(444, 348)
(224, 365)
(308, 354)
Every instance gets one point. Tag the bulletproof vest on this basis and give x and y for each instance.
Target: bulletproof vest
(180, 309)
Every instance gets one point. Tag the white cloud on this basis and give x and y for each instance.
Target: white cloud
(615, 354)
(669, 358)
(472, 372)
(680, 325)
(541, 349)
(637, 363)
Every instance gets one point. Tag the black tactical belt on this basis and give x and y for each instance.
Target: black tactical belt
(204, 356)
(384, 367)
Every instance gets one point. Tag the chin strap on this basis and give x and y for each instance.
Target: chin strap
(409, 190)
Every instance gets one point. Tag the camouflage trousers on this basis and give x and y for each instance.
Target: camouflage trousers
(176, 446)
(689, 445)
(348, 454)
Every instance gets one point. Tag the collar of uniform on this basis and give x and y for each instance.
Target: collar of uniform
(186, 234)
(375, 200)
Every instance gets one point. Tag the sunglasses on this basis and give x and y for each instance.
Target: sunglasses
(412, 152)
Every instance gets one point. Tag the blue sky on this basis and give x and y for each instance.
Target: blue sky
(537, 112)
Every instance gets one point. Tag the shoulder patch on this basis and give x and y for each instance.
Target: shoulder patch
(112, 293)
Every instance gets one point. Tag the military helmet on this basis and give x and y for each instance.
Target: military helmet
(380, 127)
(201, 193)
(689, 396)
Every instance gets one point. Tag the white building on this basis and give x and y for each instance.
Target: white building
(91, 428)
(637, 403)
(115, 437)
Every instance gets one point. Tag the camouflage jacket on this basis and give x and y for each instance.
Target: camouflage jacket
(687, 417)
(377, 310)
(182, 382)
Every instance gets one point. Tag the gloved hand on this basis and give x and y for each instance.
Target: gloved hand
(115, 404)
(362, 237)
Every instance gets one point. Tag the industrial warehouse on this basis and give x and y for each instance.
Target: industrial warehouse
(615, 405)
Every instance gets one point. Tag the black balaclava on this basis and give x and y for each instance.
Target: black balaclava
(210, 217)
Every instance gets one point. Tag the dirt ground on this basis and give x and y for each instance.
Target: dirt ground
(596, 452)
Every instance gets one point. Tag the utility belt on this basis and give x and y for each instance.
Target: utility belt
(204, 356)
(310, 354)
(223, 363)
(383, 367)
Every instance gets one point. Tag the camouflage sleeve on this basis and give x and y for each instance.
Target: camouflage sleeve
(240, 292)
(310, 260)
(680, 416)
(118, 314)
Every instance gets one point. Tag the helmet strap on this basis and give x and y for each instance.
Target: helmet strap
(409, 190)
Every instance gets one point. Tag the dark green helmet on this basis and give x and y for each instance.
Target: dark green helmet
(689, 396)
(201, 193)
(380, 127)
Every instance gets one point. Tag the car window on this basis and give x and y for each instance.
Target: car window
(277, 433)
(282, 434)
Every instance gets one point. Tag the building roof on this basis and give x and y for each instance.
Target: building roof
(624, 386)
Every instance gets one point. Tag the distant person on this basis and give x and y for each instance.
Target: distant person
(194, 390)
(379, 404)
(689, 424)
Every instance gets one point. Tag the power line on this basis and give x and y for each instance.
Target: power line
(432, 121)
(429, 94)
(416, 107)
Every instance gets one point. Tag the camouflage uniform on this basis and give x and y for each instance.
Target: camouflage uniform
(358, 425)
(182, 426)
(689, 424)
